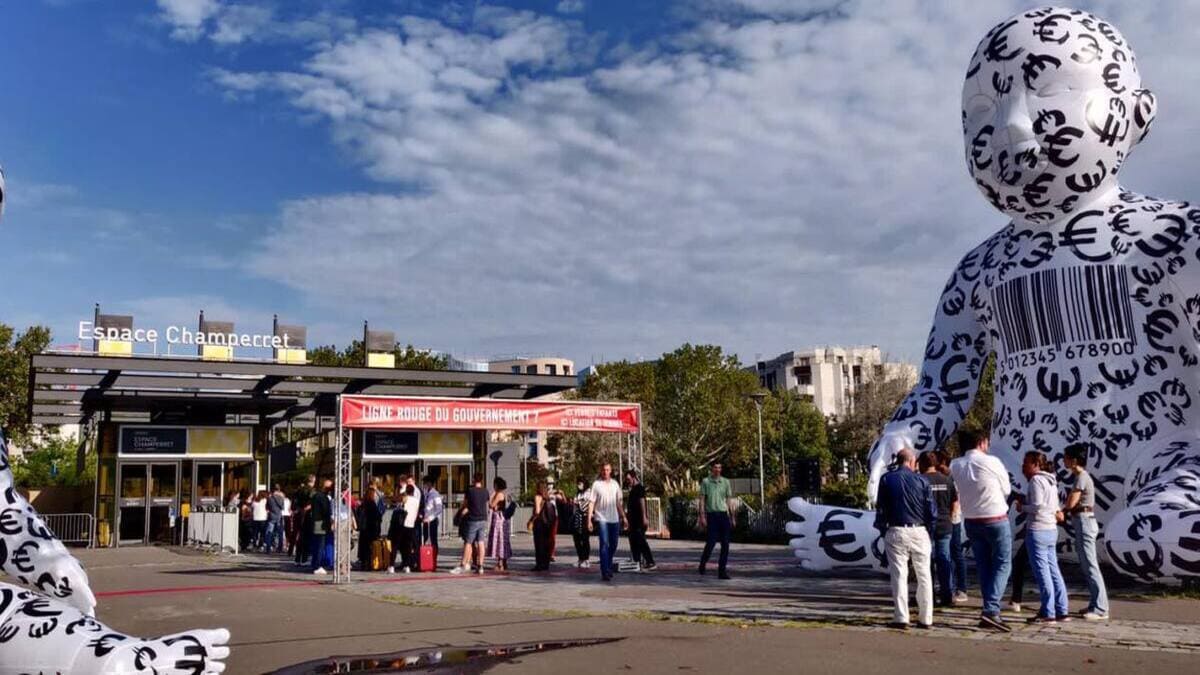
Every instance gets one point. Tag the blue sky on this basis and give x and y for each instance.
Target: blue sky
(597, 179)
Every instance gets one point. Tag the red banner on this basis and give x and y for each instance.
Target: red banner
(385, 412)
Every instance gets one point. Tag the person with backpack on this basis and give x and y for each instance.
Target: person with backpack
(542, 522)
(320, 519)
(499, 543)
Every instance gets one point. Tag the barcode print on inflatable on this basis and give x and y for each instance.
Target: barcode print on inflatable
(1061, 306)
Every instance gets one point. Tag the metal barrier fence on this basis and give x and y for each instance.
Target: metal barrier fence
(72, 528)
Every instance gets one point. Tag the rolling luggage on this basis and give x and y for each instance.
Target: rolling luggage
(427, 556)
(381, 554)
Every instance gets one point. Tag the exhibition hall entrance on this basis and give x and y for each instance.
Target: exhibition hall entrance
(149, 503)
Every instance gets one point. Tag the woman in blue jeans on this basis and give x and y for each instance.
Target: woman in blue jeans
(1042, 513)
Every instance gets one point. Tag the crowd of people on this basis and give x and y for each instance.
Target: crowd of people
(928, 508)
(398, 532)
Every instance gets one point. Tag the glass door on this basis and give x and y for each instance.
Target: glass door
(209, 490)
(131, 504)
(163, 504)
(148, 503)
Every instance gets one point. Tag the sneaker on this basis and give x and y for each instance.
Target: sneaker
(458, 570)
(650, 568)
(896, 625)
(391, 570)
(1014, 607)
(1041, 619)
(587, 564)
(960, 597)
(1063, 618)
(479, 571)
(406, 570)
(1094, 616)
(606, 577)
(724, 575)
(701, 569)
(320, 570)
(924, 626)
(994, 623)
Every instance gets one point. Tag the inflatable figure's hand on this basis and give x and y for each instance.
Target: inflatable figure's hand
(828, 537)
(881, 457)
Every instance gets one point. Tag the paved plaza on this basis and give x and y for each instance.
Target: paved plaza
(771, 616)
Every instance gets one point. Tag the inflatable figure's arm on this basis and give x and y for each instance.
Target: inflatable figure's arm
(955, 355)
(31, 553)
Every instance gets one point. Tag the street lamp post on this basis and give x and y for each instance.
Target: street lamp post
(758, 397)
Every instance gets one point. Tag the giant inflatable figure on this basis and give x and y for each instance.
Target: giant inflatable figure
(50, 628)
(1089, 298)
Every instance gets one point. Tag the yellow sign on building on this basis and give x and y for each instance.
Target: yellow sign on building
(444, 443)
(219, 441)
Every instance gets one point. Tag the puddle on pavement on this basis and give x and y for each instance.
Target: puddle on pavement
(436, 660)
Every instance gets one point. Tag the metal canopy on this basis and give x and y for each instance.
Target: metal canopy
(72, 388)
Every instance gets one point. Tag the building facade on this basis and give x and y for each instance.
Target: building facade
(537, 365)
(829, 376)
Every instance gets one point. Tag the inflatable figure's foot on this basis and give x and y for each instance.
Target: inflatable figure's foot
(196, 651)
(828, 537)
(43, 634)
(1157, 537)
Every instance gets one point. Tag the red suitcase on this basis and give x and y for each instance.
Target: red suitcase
(427, 556)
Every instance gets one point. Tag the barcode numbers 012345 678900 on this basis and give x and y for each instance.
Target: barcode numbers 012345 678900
(1066, 306)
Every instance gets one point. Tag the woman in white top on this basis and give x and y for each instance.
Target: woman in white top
(1042, 513)
(258, 532)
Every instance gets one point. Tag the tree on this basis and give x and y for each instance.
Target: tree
(701, 411)
(53, 462)
(632, 382)
(14, 378)
(793, 425)
(874, 403)
(354, 356)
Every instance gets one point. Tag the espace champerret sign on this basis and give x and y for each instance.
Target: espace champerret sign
(181, 335)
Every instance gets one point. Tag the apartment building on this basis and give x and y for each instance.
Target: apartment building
(829, 376)
(534, 365)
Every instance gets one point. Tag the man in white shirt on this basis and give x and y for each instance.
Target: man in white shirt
(605, 508)
(983, 486)
(433, 514)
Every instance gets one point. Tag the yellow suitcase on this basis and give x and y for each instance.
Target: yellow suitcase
(381, 553)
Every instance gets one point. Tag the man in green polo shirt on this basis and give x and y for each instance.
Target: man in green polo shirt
(716, 516)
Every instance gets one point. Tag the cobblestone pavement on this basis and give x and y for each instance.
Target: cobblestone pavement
(767, 588)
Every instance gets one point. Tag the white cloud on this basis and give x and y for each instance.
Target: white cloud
(229, 23)
(570, 6)
(757, 182)
(187, 17)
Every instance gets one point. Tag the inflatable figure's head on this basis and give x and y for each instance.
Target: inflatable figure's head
(1051, 106)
